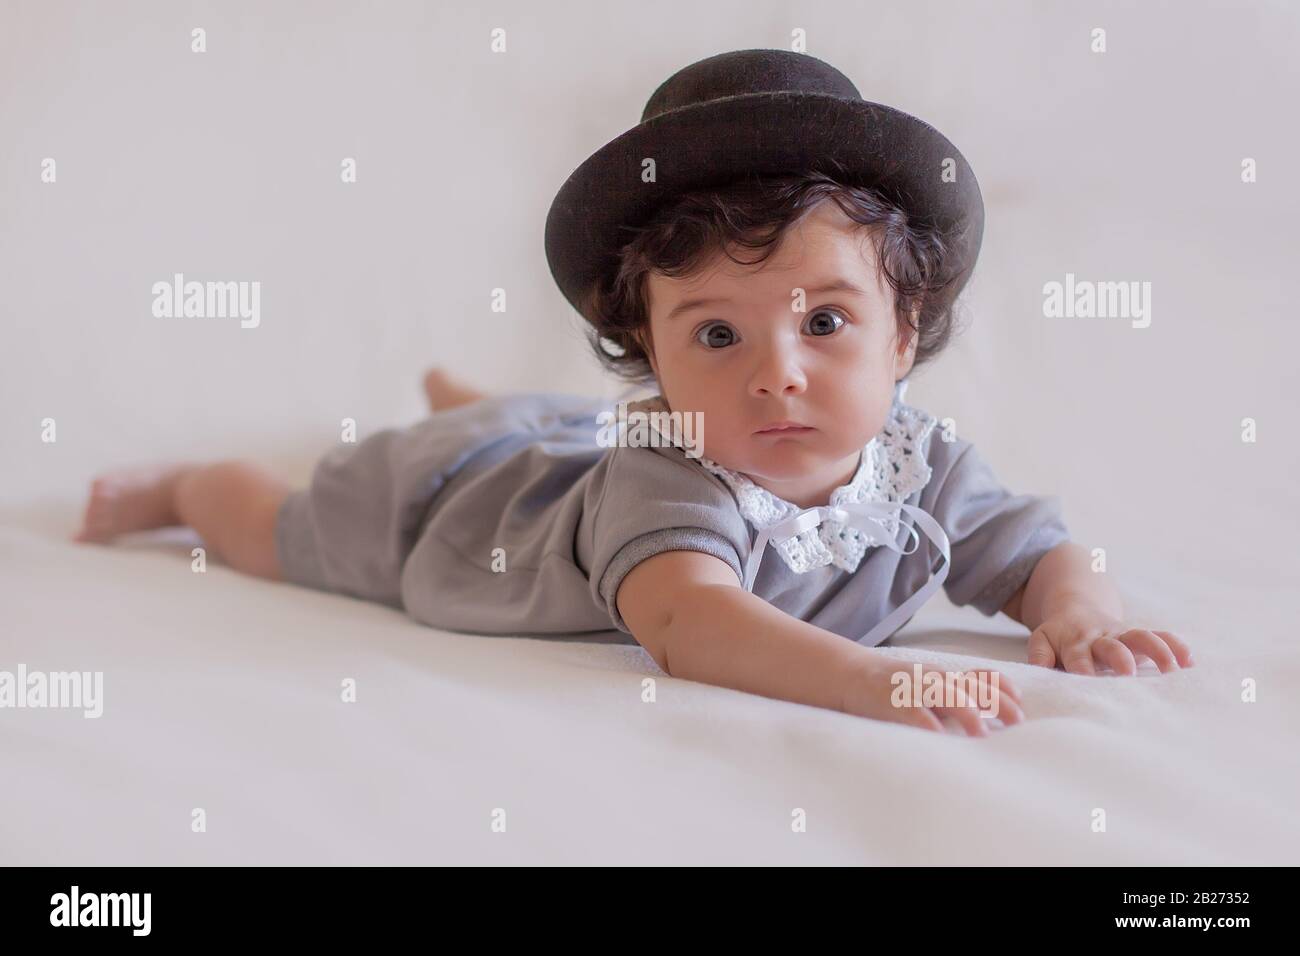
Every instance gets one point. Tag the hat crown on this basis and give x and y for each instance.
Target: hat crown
(757, 113)
(742, 72)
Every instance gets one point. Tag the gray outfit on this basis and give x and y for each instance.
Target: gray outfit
(412, 517)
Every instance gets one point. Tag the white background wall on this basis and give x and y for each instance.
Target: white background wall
(225, 165)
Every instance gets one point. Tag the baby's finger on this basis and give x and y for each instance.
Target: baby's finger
(1077, 659)
(983, 683)
(1110, 651)
(919, 717)
(904, 712)
(1004, 684)
(1040, 650)
(986, 684)
(994, 686)
(1180, 649)
(1146, 642)
(965, 713)
(1000, 699)
(1008, 711)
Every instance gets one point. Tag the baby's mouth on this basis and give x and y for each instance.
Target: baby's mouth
(784, 428)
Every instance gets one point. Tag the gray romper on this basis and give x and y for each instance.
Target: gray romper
(508, 516)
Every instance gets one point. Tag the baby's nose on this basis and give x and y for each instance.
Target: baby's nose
(778, 374)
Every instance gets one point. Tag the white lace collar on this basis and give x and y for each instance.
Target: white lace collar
(891, 469)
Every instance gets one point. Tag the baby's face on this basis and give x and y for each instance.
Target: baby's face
(746, 358)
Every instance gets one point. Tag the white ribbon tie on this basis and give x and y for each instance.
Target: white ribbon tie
(866, 517)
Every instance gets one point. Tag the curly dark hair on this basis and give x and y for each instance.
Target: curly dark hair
(754, 213)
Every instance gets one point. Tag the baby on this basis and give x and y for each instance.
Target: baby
(776, 255)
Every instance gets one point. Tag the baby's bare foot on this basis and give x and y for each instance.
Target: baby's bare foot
(132, 499)
(443, 391)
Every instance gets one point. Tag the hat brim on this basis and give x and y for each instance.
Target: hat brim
(711, 144)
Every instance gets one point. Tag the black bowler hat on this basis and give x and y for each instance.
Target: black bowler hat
(759, 112)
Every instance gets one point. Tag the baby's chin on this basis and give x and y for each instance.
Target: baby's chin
(789, 460)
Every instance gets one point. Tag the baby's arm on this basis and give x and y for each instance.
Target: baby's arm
(687, 610)
(1076, 617)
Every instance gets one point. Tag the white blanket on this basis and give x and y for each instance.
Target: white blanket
(224, 693)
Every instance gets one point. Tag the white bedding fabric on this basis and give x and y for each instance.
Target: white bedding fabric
(223, 692)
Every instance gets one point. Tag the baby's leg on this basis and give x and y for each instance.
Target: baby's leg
(231, 504)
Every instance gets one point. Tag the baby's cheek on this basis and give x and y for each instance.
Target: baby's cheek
(858, 425)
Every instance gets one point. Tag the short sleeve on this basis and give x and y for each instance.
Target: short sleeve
(996, 537)
(643, 501)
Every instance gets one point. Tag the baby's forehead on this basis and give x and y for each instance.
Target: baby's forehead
(824, 239)
(812, 259)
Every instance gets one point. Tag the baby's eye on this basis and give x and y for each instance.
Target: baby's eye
(830, 321)
(716, 335)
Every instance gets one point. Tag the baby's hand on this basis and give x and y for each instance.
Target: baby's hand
(922, 695)
(1077, 636)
